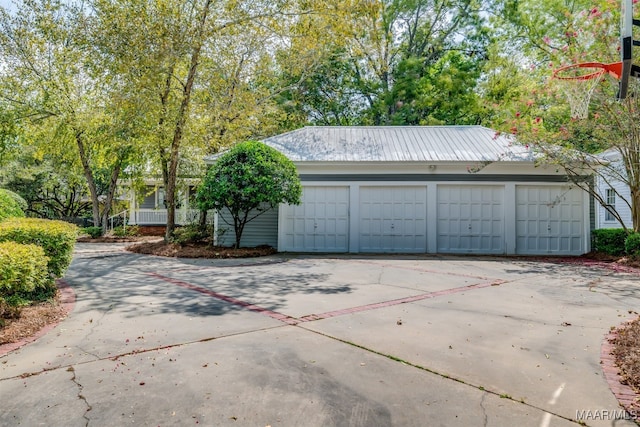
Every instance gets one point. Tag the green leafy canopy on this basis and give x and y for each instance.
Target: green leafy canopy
(250, 176)
(248, 180)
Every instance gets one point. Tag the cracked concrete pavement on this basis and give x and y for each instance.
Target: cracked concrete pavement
(322, 340)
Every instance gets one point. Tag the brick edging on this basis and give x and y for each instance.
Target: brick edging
(626, 396)
(67, 301)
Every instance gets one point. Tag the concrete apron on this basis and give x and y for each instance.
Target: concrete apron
(322, 341)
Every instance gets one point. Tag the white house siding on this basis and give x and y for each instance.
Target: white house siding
(607, 180)
(263, 230)
(622, 197)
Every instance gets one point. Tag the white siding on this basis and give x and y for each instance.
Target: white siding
(622, 198)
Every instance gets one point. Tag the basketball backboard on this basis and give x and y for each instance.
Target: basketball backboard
(626, 46)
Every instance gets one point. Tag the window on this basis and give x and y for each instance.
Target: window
(610, 197)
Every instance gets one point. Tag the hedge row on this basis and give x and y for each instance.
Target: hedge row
(616, 241)
(23, 268)
(11, 205)
(56, 238)
(632, 244)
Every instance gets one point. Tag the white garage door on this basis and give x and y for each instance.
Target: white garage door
(549, 220)
(393, 219)
(320, 223)
(471, 219)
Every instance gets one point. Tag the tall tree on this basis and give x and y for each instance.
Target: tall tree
(384, 58)
(201, 68)
(47, 82)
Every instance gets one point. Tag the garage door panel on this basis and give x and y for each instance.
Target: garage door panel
(549, 220)
(470, 219)
(320, 223)
(393, 219)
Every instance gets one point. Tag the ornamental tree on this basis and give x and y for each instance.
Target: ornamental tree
(248, 180)
(607, 142)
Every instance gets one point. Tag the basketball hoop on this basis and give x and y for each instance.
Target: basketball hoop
(578, 81)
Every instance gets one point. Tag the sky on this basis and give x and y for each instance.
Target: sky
(7, 4)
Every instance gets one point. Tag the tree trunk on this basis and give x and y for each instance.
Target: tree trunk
(170, 196)
(202, 220)
(113, 183)
(635, 207)
(88, 174)
(164, 101)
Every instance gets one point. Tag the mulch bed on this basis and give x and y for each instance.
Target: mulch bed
(32, 319)
(627, 354)
(198, 250)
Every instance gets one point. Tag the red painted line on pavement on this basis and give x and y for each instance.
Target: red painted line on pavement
(312, 317)
(273, 314)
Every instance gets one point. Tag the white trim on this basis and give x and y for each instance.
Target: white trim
(354, 219)
(216, 225)
(510, 220)
(432, 212)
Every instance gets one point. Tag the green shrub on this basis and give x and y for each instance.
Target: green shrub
(128, 231)
(632, 244)
(93, 232)
(11, 205)
(57, 239)
(191, 233)
(609, 241)
(23, 268)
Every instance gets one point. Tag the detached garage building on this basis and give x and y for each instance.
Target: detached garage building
(417, 189)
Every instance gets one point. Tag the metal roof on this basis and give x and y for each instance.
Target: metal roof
(397, 144)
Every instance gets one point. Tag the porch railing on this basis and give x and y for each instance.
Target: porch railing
(116, 220)
(159, 216)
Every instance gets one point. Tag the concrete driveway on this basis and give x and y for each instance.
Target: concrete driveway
(322, 341)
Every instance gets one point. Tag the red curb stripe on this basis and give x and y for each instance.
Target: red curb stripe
(626, 396)
(68, 302)
(252, 307)
(312, 317)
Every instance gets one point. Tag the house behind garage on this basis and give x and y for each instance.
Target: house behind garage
(421, 189)
(613, 187)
